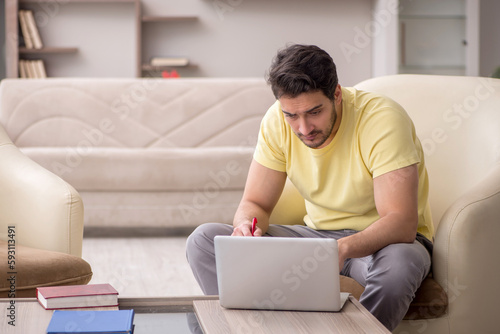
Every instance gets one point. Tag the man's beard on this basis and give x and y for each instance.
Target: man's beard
(323, 135)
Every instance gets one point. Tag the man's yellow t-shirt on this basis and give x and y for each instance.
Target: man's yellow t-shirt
(375, 136)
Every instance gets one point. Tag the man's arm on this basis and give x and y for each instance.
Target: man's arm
(396, 199)
(262, 191)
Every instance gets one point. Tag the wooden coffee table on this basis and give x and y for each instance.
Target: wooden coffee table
(203, 314)
(353, 318)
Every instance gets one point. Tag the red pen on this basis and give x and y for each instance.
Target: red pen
(254, 223)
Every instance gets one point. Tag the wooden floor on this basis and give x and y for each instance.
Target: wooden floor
(141, 267)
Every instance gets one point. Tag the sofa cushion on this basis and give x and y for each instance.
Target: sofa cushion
(430, 299)
(159, 169)
(291, 207)
(37, 267)
(132, 113)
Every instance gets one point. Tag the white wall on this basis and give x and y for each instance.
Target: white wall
(231, 38)
(238, 38)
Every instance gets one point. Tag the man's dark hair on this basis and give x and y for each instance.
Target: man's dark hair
(299, 69)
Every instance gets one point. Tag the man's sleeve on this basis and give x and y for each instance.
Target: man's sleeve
(269, 151)
(388, 141)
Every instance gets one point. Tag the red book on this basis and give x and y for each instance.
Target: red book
(77, 296)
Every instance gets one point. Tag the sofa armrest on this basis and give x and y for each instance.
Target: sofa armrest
(45, 211)
(465, 257)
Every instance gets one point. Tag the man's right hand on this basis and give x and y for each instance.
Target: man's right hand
(245, 230)
(262, 191)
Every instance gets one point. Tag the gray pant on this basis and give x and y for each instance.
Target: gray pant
(390, 276)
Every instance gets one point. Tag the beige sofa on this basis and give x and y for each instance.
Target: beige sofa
(142, 153)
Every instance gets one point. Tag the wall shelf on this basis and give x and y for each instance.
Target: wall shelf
(432, 17)
(159, 19)
(147, 67)
(14, 51)
(48, 50)
(76, 1)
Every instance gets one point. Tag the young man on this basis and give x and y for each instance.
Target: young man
(355, 158)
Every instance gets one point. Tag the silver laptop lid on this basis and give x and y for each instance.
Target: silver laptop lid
(278, 273)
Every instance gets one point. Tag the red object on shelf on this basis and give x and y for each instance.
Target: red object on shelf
(172, 75)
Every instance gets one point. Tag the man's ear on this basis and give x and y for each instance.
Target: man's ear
(337, 95)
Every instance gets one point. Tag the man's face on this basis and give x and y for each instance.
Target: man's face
(312, 117)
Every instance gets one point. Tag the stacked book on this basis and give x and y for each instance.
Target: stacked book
(32, 40)
(85, 317)
(169, 61)
(32, 69)
(77, 296)
(99, 322)
(29, 30)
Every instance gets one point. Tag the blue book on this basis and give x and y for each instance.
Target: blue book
(91, 322)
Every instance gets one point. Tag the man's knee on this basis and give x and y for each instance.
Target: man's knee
(403, 264)
(411, 255)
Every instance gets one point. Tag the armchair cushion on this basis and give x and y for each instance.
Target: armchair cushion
(290, 209)
(430, 299)
(36, 267)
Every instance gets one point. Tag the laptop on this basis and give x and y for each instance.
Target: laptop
(272, 273)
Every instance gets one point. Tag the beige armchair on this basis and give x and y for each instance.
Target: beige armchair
(458, 122)
(41, 227)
